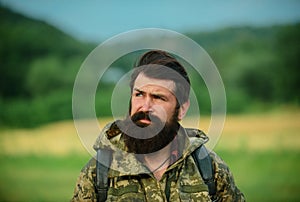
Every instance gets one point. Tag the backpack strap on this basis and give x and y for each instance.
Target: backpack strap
(204, 164)
(103, 162)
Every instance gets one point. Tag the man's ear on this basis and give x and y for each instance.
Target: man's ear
(183, 109)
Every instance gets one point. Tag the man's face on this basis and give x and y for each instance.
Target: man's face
(154, 114)
(153, 96)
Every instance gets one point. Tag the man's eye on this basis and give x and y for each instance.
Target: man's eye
(138, 94)
(158, 97)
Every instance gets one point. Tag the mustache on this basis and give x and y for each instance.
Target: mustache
(136, 117)
(155, 121)
(140, 115)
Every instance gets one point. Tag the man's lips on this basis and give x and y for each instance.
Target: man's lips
(145, 121)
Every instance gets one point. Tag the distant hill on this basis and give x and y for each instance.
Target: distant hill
(23, 40)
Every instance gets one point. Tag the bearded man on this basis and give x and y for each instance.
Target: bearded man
(151, 152)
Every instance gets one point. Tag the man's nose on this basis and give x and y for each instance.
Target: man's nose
(147, 104)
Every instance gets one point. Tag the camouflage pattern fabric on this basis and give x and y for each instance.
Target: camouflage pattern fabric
(130, 180)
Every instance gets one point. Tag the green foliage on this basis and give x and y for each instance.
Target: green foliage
(256, 64)
(50, 74)
(287, 48)
(40, 110)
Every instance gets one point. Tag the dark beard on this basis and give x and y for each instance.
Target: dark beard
(144, 139)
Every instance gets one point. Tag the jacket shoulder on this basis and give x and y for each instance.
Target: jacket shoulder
(85, 189)
(226, 187)
(196, 136)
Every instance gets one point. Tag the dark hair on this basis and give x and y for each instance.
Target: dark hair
(161, 65)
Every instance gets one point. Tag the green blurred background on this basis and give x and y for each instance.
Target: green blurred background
(41, 156)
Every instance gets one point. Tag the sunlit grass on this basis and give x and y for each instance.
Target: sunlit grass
(255, 131)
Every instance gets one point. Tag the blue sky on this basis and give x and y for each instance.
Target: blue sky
(96, 20)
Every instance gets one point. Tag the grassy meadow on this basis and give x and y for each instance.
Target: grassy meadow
(262, 150)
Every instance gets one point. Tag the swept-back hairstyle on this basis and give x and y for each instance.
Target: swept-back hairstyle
(159, 64)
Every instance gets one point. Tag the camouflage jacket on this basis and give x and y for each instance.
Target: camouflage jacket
(130, 180)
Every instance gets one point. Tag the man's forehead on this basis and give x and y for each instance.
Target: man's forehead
(142, 81)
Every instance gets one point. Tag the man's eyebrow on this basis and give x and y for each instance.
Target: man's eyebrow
(138, 90)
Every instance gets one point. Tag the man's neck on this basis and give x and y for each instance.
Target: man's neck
(159, 161)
